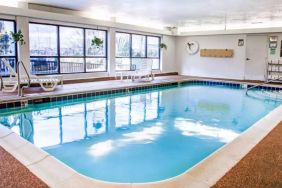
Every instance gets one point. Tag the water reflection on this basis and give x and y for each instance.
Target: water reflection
(70, 123)
(190, 127)
(143, 136)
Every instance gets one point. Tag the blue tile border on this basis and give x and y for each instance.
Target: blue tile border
(112, 92)
(70, 97)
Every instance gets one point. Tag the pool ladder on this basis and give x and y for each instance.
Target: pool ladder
(272, 95)
(21, 88)
(1, 82)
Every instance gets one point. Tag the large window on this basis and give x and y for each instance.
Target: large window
(96, 56)
(62, 49)
(132, 49)
(43, 49)
(7, 48)
(71, 50)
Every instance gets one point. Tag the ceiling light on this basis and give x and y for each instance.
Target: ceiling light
(214, 27)
(9, 3)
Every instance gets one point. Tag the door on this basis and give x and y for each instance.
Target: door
(256, 57)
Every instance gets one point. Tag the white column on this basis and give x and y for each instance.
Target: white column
(111, 53)
(23, 51)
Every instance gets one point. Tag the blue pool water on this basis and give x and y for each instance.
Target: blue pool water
(139, 137)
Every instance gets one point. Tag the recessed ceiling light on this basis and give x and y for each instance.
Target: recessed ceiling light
(9, 3)
(256, 22)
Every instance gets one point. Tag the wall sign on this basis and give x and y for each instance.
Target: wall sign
(272, 51)
(241, 42)
(221, 53)
(273, 42)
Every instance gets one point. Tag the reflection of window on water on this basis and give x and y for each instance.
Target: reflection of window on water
(136, 109)
(122, 110)
(47, 127)
(73, 122)
(96, 117)
(70, 123)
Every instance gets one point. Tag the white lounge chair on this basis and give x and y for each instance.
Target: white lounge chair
(144, 70)
(47, 83)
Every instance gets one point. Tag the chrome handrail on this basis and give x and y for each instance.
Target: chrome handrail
(1, 84)
(20, 89)
(263, 83)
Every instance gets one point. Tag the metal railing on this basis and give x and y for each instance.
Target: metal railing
(258, 85)
(52, 67)
(21, 88)
(1, 84)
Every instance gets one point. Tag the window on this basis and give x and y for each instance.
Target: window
(43, 49)
(122, 51)
(96, 56)
(71, 50)
(122, 45)
(153, 51)
(132, 49)
(138, 46)
(62, 49)
(7, 48)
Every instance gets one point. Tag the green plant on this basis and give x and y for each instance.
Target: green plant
(18, 37)
(97, 42)
(163, 46)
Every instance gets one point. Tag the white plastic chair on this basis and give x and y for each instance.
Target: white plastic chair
(47, 83)
(144, 70)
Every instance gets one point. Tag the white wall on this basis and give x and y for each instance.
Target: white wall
(256, 48)
(194, 65)
(168, 56)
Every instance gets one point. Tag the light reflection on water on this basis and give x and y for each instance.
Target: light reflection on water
(161, 133)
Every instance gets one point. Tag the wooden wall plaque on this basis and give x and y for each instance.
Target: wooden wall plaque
(222, 53)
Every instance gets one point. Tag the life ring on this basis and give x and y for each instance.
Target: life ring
(192, 47)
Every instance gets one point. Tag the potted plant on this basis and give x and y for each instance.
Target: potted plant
(18, 37)
(163, 46)
(97, 42)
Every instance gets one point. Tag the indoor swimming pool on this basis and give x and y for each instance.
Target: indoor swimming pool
(141, 136)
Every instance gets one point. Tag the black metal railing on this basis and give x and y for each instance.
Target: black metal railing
(52, 67)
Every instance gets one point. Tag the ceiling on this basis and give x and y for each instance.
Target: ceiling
(190, 15)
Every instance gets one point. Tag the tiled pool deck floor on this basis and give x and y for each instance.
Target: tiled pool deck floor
(77, 88)
(261, 168)
(87, 87)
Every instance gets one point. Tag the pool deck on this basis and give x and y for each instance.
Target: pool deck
(37, 92)
(261, 168)
(252, 160)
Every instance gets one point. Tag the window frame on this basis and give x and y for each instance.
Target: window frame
(84, 57)
(146, 49)
(16, 49)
